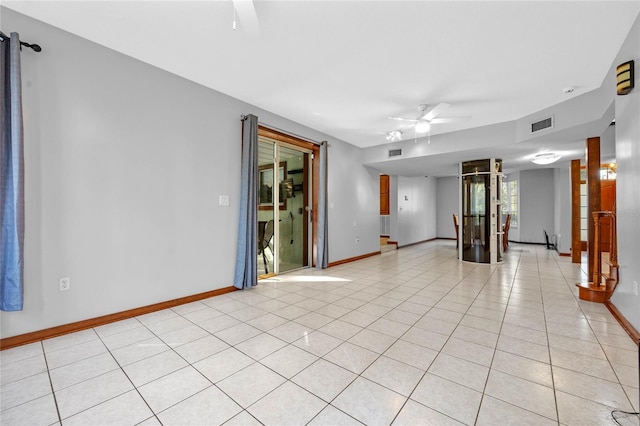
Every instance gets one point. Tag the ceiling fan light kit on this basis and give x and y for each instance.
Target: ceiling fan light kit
(394, 136)
(423, 126)
(426, 117)
(545, 158)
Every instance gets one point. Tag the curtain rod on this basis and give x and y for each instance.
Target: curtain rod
(267, 125)
(286, 132)
(35, 47)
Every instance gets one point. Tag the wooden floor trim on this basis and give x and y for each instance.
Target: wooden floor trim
(624, 323)
(418, 242)
(352, 259)
(565, 254)
(35, 336)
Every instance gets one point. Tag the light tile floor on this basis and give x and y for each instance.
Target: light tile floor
(408, 337)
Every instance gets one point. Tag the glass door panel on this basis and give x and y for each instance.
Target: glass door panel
(475, 206)
(266, 212)
(283, 207)
(292, 233)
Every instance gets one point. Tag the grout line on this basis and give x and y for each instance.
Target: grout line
(393, 274)
(129, 378)
(551, 366)
(53, 392)
(498, 340)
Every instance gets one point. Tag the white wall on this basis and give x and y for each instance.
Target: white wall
(447, 205)
(537, 194)
(628, 183)
(562, 208)
(124, 166)
(416, 209)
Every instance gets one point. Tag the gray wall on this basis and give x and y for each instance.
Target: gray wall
(551, 186)
(562, 208)
(514, 228)
(124, 166)
(354, 204)
(394, 229)
(447, 205)
(537, 196)
(416, 209)
(628, 184)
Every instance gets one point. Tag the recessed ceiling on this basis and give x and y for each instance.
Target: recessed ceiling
(344, 67)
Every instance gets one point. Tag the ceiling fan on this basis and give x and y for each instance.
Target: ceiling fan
(245, 11)
(428, 116)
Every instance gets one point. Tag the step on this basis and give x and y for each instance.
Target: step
(593, 293)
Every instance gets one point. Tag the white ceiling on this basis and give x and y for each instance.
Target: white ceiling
(344, 67)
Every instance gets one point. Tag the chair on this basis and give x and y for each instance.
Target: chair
(550, 244)
(265, 233)
(505, 234)
(455, 225)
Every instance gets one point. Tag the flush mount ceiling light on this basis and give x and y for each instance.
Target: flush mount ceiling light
(394, 136)
(545, 158)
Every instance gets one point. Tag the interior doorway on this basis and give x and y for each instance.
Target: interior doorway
(607, 203)
(285, 203)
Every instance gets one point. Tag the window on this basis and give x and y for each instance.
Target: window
(510, 201)
(584, 205)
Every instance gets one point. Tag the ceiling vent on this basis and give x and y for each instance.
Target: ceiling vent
(395, 152)
(547, 123)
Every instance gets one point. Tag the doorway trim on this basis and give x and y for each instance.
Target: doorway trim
(314, 148)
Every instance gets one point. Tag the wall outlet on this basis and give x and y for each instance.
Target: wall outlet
(635, 287)
(65, 284)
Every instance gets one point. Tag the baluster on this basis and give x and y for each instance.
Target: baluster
(597, 257)
(614, 240)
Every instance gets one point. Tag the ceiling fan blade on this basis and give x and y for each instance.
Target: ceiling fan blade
(443, 120)
(431, 114)
(246, 12)
(403, 119)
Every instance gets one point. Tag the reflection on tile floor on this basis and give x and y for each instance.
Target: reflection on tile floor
(407, 337)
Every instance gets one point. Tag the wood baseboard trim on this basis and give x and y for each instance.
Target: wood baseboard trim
(417, 242)
(392, 243)
(565, 254)
(47, 333)
(447, 238)
(624, 323)
(352, 259)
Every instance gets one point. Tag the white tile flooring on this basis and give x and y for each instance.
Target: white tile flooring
(408, 337)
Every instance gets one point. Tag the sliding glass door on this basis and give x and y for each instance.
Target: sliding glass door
(284, 207)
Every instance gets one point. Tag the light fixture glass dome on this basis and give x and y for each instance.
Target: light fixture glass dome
(423, 126)
(545, 158)
(394, 136)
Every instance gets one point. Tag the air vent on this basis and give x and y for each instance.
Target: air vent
(542, 124)
(395, 152)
